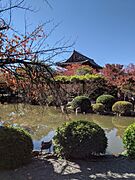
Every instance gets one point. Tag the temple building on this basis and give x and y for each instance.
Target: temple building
(78, 58)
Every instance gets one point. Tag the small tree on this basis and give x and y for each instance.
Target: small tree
(22, 51)
(83, 70)
(81, 102)
(98, 108)
(122, 107)
(76, 69)
(107, 100)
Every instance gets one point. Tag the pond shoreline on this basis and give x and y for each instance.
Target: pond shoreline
(52, 168)
(41, 121)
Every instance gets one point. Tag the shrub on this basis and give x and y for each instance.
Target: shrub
(129, 140)
(107, 100)
(98, 107)
(50, 100)
(122, 107)
(15, 147)
(87, 77)
(83, 70)
(79, 139)
(82, 102)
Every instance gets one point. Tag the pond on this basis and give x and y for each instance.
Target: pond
(41, 122)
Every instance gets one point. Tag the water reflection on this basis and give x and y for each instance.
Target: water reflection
(115, 145)
(47, 138)
(41, 122)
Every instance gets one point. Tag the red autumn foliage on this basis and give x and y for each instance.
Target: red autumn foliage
(121, 77)
(74, 69)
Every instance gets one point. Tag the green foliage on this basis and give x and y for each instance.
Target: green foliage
(107, 100)
(87, 77)
(84, 70)
(92, 85)
(122, 107)
(82, 102)
(129, 140)
(15, 147)
(79, 139)
(98, 107)
(50, 100)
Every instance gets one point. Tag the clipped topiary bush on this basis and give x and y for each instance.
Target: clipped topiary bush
(129, 140)
(98, 108)
(122, 107)
(81, 102)
(15, 147)
(79, 139)
(107, 100)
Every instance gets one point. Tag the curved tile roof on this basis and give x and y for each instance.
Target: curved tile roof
(77, 57)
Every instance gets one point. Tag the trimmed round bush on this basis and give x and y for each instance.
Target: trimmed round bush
(79, 140)
(98, 107)
(15, 147)
(122, 107)
(107, 100)
(129, 140)
(81, 102)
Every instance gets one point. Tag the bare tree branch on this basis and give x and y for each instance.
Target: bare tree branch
(47, 2)
(18, 5)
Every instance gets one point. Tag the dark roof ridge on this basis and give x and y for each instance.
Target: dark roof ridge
(77, 57)
(82, 55)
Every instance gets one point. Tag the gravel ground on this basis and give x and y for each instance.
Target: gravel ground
(51, 168)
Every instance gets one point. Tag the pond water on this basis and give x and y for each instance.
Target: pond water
(41, 122)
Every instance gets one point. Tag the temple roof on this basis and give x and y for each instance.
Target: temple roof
(78, 58)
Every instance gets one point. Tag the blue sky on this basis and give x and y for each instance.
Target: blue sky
(102, 29)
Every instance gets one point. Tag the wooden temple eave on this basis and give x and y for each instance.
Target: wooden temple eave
(78, 58)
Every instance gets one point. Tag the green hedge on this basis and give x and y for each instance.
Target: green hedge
(129, 140)
(122, 107)
(98, 107)
(79, 139)
(78, 78)
(15, 147)
(82, 102)
(107, 100)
